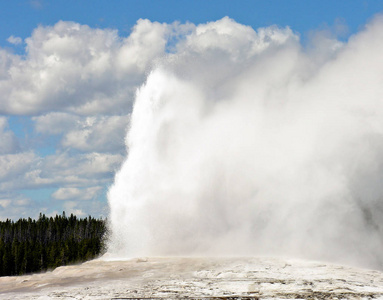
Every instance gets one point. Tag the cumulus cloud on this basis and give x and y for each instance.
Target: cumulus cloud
(13, 206)
(14, 166)
(76, 193)
(26, 170)
(78, 84)
(244, 142)
(7, 61)
(87, 134)
(102, 134)
(80, 170)
(4, 203)
(55, 123)
(75, 177)
(14, 40)
(9, 143)
(70, 67)
(237, 40)
(72, 208)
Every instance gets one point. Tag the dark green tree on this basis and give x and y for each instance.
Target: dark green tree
(37, 245)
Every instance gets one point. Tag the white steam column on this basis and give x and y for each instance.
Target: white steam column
(243, 142)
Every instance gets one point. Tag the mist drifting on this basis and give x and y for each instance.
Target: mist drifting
(245, 142)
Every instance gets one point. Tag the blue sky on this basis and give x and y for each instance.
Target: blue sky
(63, 141)
(19, 18)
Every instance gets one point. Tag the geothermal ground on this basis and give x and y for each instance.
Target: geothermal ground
(197, 278)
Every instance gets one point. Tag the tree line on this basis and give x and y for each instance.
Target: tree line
(28, 245)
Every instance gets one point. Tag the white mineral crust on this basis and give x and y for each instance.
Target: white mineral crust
(198, 278)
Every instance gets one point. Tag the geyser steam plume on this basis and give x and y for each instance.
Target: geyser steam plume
(245, 142)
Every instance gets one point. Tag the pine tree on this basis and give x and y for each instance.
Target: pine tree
(30, 246)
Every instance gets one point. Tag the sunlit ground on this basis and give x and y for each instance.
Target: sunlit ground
(173, 277)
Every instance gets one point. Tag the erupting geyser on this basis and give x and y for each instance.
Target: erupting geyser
(244, 142)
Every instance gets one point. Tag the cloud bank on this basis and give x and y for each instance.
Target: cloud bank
(72, 91)
(244, 142)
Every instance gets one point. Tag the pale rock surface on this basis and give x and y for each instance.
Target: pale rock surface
(197, 278)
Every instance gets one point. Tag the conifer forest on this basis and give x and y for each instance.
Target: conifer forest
(28, 246)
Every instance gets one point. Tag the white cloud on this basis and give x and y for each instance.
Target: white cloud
(238, 40)
(101, 134)
(22, 202)
(55, 123)
(14, 206)
(100, 163)
(146, 43)
(74, 68)
(9, 143)
(26, 170)
(87, 134)
(76, 194)
(72, 208)
(36, 4)
(14, 40)
(78, 83)
(7, 60)
(13, 167)
(80, 170)
(4, 203)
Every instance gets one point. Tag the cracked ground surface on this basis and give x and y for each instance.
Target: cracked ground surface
(197, 278)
